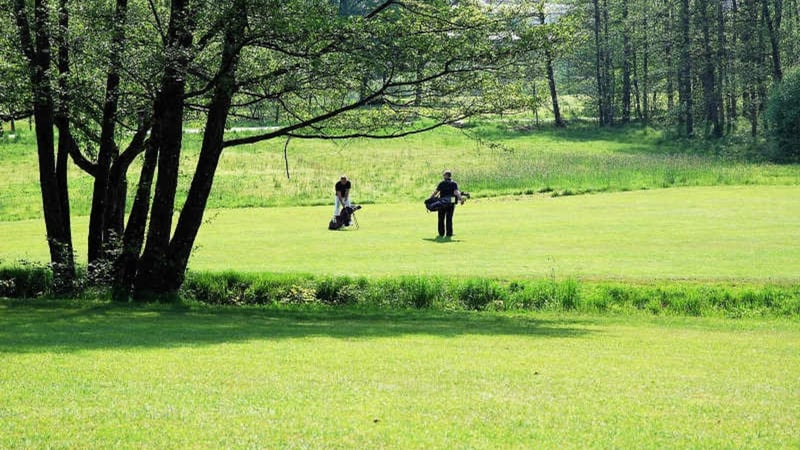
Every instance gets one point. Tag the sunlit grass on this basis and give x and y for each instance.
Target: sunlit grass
(99, 376)
(489, 160)
(746, 233)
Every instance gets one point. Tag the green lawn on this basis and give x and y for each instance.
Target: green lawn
(92, 375)
(735, 233)
(101, 376)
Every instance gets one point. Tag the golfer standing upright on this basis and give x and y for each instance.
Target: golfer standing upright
(447, 188)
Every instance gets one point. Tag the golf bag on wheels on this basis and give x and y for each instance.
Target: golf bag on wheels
(346, 218)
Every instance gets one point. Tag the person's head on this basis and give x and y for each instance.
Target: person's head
(343, 178)
(447, 174)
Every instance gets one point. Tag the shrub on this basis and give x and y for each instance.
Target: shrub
(783, 117)
(478, 293)
(421, 292)
(340, 290)
(26, 280)
(531, 295)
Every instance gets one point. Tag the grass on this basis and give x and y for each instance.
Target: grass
(734, 233)
(488, 160)
(78, 373)
(96, 376)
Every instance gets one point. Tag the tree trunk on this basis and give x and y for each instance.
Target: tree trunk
(646, 70)
(103, 195)
(551, 81)
(721, 61)
(133, 237)
(608, 72)
(708, 76)
(168, 129)
(599, 64)
(773, 29)
(669, 62)
(62, 121)
(191, 216)
(685, 71)
(51, 180)
(626, 65)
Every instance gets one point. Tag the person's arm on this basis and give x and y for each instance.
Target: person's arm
(459, 197)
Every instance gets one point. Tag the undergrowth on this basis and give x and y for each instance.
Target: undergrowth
(734, 300)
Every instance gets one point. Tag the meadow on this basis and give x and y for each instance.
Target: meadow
(488, 160)
(586, 252)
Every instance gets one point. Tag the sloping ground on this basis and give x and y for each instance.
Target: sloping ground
(748, 233)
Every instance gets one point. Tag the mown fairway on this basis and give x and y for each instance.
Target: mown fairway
(99, 376)
(747, 233)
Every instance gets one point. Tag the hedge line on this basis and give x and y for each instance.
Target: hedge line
(448, 293)
(680, 298)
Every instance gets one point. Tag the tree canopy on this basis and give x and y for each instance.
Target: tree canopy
(117, 80)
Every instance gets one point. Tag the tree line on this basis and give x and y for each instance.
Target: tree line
(703, 67)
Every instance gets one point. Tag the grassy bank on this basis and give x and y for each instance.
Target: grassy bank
(435, 293)
(97, 375)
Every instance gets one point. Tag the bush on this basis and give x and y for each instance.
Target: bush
(25, 281)
(452, 294)
(479, 293)
(340, 290)
(783, 118)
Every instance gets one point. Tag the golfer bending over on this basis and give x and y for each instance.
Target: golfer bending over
(447, 188)
(342, 194)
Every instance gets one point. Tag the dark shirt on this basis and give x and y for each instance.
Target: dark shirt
(343, 187)
(447, 188)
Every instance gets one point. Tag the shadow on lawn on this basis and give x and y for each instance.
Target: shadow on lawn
(26, 328)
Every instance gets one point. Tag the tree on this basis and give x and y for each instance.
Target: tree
(783, 115)
(35, 45)
(330, 74)
(15, 98)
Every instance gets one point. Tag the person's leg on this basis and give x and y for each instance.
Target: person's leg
(450, 210)
(335, 206)
(442, 213)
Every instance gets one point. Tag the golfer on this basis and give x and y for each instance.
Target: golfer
(447, 188)
(342, 194)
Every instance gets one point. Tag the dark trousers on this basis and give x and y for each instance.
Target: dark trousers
(446, 220)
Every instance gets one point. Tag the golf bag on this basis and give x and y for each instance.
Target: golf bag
(345, 218)
(437, 203)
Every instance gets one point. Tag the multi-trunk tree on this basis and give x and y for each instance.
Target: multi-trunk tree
(113, 83)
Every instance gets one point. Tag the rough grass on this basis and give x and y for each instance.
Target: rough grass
(94, 375)
(489, 160)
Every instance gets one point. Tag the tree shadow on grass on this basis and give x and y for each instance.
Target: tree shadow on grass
(35, 327)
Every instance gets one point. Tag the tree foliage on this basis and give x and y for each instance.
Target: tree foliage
(783, 116)
(119, 79)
